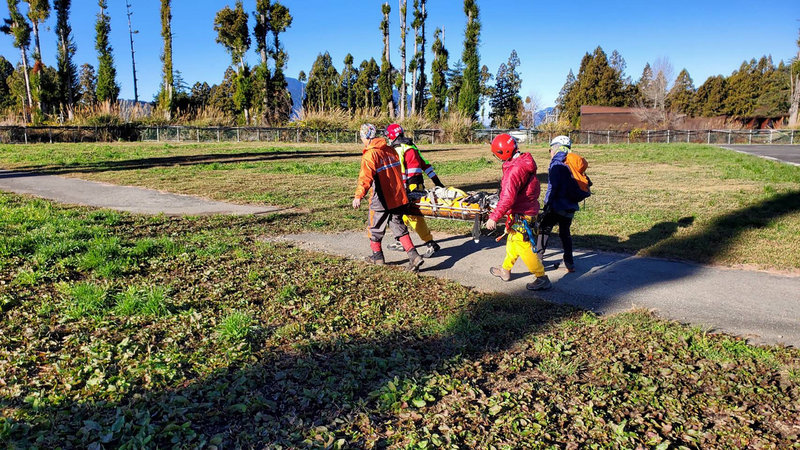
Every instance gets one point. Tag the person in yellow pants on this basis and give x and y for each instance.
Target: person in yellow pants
(519, 199)
(519, 246)
(413, 166)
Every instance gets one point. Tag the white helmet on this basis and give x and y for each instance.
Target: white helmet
(563, 141)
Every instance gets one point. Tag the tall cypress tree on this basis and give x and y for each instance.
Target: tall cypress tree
(385, 81)
(404, 67)
(348, 77)
(233, 33)
(280, 99)
(470, 92)
(435, 106)
(38, 12)
(563, 94)
(107, 88)
(167, 101)
(506, 102)
(67, 72)
(17, 27)
(419, 79)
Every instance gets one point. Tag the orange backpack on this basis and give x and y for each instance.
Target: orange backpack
(578, 165)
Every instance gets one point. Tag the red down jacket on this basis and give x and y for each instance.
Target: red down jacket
(519, 190)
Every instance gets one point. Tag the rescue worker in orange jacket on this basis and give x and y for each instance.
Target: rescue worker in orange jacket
(413, 165)
(380, 171)
(519, 199)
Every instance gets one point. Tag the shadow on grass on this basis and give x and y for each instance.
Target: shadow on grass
(169, 161)
(290, 395)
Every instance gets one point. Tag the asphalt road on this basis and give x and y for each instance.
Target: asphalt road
(785, 153)
(763, 307)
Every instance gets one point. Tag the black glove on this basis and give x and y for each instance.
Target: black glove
(437, 182)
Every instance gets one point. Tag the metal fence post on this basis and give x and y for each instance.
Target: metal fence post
(608, 136)
(158, 135)
(709, 136)
(25, 132)
(770, 136)
(688, 133)
(317, 136)
(750, 137)
(258, 134)
(238, 138)
(297, 138)
(178, 133)
(791, 139)
(730, 133)
(648, 136)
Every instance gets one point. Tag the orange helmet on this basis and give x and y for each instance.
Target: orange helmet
(504, 146)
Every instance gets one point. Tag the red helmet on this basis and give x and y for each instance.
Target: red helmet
(393, 130)
(504, 146)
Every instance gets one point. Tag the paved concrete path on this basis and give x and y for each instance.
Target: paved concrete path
(760, 306)
(121, 198)
(785, 153)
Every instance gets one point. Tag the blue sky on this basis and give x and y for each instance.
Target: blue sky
(705, 37)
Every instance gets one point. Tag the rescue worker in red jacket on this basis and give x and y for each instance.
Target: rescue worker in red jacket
(519, 200)
(413, 165)
(380, 171)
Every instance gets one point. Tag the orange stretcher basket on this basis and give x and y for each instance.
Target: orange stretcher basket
(452, 203)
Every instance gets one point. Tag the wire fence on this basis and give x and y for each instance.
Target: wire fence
(134, 133)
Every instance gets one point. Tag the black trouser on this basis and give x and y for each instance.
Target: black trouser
(551, 219)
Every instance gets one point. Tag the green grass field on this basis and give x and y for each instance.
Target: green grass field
(129, 331)
(684, 201)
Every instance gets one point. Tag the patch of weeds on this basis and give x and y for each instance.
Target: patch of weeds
(287, 293)
(46, 308)
(85, 299)
(136, 301)
(460, 324)
(794, 374)
(106, 217)
(27, 277)
(7, 302)
(235, 327)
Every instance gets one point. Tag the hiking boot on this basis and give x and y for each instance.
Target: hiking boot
(570, 267)
(430, 248)
(396, 246)
(414, 260)
(501, 273)
(377, 259)
(540, 284)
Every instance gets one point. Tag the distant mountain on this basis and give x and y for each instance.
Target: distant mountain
(541, 114)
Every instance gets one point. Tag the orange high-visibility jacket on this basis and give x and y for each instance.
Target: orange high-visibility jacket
(380, 169)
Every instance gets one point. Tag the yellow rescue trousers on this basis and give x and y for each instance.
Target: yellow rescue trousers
(417, 223)
(518, 247)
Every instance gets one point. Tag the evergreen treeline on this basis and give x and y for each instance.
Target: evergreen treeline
(758, 88)
(260, 95)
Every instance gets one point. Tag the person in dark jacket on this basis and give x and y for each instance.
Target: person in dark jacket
(559, 206)
(519, 201)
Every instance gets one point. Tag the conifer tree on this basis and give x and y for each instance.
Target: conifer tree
(167, 102)
(107, 88)
(404, 66)
(280, 19)
(710, 97)
(469, 93)
(87, 86)
(435, 105)
(385, 81)
(563, 94)
(487, 90)
(365, 89)
(17, 27)
(67, 72)
(322, 90)
(681, 97)
(233, 33)
(348, 80)
(506, 102)
(419, 79)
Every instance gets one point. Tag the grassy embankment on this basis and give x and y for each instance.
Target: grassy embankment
(684, 201)
(127, 331)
